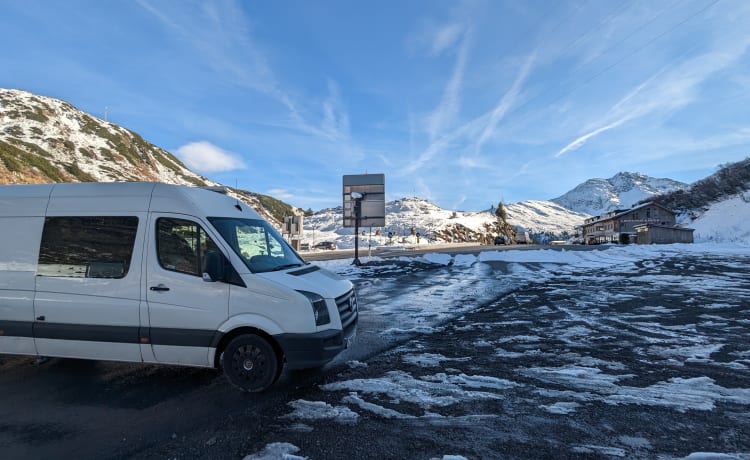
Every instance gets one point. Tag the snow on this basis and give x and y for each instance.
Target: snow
(623, 190)
(320, 410)
(725, 222)
(277, 451)
(427, 219)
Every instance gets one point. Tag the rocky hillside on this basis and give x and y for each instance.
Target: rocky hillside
(48, 140)
(731, 180)
(623, 190)
(543, 219)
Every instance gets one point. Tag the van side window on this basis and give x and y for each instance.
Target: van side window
(87, 247)
(182, 246)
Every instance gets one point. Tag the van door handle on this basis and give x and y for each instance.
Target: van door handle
(40, 318)
(160, 287)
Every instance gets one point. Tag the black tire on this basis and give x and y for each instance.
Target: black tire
(250, 363)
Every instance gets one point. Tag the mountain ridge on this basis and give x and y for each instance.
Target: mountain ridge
(598, 196)
(43, 139)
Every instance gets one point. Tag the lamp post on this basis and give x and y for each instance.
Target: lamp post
(357, 197)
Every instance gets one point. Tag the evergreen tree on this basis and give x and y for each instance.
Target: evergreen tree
(500, 212)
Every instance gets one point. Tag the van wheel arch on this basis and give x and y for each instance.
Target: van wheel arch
(231, 335)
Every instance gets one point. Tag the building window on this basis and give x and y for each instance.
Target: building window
(87, 247)
(648, 213)
(182, 245)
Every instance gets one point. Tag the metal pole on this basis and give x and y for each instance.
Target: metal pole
(357, 211)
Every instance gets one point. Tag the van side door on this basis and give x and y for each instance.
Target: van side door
(88, 287)
(185, 310)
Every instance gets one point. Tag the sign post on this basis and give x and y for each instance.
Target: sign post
(364, 204)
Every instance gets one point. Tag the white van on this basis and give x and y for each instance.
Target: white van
(158, 273)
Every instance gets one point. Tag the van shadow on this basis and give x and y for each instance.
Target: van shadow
(121, 385)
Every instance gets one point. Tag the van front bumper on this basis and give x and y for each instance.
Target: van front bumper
(304, 351)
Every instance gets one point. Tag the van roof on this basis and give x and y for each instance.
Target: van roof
(109, 197)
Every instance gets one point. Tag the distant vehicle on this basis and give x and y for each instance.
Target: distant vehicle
(523, 238)
(326, 245)
(499, 240)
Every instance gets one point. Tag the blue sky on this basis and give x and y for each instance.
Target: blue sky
(464, 103)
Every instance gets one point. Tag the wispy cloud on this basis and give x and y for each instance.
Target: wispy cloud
(450, 103)
(445, 37)
(221, 36)
(205, 157)
(670, 89)
(506, 102)
(280, 193)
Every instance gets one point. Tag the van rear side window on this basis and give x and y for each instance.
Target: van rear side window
(87, 247)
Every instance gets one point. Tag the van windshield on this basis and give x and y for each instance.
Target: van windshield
(259, 246)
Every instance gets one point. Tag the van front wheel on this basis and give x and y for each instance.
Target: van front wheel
(250, 363)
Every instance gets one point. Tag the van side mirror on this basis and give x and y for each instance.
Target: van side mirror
(215, 264)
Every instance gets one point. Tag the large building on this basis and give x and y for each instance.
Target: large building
(645, 224)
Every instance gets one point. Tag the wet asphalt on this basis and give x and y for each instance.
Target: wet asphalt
(651, 361)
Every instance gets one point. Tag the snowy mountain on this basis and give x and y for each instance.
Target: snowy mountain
(623, 190)
(48, 140)
(540, 218)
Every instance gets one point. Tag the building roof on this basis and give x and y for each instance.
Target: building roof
(620, 213)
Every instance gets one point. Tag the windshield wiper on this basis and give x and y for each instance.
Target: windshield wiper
(284, 267)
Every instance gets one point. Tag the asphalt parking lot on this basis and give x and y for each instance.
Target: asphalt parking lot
(646, 359)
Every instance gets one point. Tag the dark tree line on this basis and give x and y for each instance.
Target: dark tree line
(730, 179)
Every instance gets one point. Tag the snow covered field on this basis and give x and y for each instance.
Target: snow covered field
(623, 352)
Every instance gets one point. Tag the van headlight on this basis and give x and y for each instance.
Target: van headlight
(319, 307)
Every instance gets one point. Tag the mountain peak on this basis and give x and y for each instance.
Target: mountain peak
(623, 190)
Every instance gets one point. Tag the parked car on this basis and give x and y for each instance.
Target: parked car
(499, 240)
(157, 273)
(326, 245)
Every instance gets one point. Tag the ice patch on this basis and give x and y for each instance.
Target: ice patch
(602, 450)
(277, 451)
(700, 393)
(429, 359)
(472, 381)
(561, 408)
(696, 353)
(437, 258)
(464, 260)
(401, 386)
(715, 456)
(384, 412)
(320, 410)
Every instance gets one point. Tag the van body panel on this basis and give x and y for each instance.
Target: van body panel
(84, 349)
(251, 320)
(90, 198)
(17, 345)
(90, 310)
(266, 299)
(19, 251)
(197, 202)
(321, 281)
(24, 200)
(184, 355)
(183, 308)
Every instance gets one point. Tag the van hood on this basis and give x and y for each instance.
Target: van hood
(310, 278)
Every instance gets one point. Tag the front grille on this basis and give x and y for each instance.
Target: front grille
(348, 308)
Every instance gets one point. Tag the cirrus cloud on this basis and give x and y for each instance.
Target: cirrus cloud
(205, 157)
